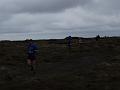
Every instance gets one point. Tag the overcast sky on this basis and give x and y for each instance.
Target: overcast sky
(42, 19)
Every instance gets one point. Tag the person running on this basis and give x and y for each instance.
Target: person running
(97, 37)
(31, 51)
(69, 40)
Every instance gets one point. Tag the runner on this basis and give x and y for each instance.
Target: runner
(69, 42)
(31, 51)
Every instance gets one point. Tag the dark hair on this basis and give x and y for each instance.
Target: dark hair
(28, 40)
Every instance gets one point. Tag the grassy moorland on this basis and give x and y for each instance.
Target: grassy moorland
(92, 65)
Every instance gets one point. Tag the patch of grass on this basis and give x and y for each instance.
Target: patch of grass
(94, 65)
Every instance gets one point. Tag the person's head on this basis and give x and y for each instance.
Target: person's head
(29, 41)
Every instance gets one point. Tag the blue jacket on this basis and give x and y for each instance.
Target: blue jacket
(32, 48)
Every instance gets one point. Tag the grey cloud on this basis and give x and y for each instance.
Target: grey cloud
(37, 6)
(58, 18)
(104, 6)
